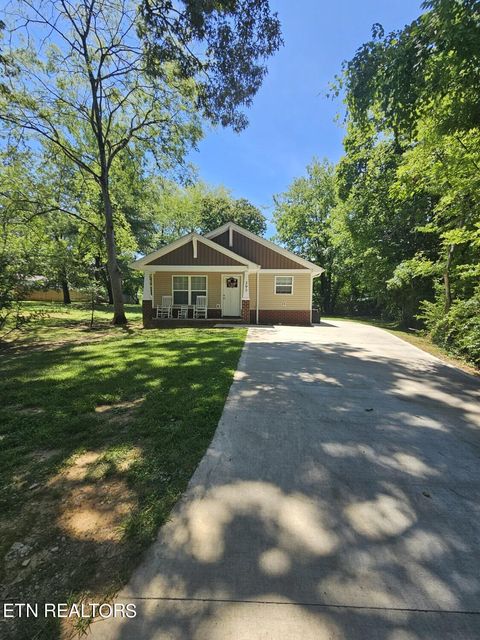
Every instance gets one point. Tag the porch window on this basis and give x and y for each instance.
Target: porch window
(180, 289)
(186, 289)
(198, 287)
(284, 285)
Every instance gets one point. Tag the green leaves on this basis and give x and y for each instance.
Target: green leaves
(410, 179)
(222, 46)
(304, 216)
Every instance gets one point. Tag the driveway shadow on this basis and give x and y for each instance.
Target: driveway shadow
(339, 499)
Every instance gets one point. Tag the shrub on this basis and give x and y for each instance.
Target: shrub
(457, 331)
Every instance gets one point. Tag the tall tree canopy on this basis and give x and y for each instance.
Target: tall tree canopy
(223, 45)
(177, 210)
(94, 78)
(403, 234)
(303, 218)
(415, 93)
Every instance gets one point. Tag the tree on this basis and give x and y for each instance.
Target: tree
(396, 79)
(218, 206)
(21, 249)
(175, 210)
(303, 217)
(383, 228)
(223, 45)
(84, 72)
(413, 97)
(85, 63)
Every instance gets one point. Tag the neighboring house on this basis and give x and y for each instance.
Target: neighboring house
(36, 289)
(242, 275)
(55, 295)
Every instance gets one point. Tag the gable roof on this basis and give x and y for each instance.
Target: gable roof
(149, 260)
(266, 243)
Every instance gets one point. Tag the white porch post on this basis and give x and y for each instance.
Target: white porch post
(246, 289)
(147, 291)
(246, 297)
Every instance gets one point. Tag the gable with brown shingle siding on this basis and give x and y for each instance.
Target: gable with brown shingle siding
(256, 252)
(206, 256)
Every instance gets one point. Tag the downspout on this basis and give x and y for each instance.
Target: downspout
(256, 305)
(311, 297)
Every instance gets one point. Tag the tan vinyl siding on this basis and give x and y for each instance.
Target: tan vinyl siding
(162, 286)
(298, 300)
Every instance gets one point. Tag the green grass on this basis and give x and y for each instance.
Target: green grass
(418, 338)
(143, 405)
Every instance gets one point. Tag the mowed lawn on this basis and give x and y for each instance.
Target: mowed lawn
(100, 431)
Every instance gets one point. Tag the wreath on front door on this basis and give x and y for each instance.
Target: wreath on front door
(232, 283)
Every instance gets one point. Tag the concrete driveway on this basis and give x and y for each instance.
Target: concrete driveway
(339, 499)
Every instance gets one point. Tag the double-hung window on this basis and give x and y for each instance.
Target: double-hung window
(284, 285)
(186, 289)
(198, 287)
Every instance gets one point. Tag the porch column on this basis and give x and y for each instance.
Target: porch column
(147, 304)
(246, 299)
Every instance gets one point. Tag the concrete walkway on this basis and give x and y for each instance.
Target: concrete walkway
(340, 499)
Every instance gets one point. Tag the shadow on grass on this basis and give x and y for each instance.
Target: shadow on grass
(144, 406)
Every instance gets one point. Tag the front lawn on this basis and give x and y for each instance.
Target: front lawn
(100, 431)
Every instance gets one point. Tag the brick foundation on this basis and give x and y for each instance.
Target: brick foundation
(246, 310)
(282, 316)
(147, 313)
(278, 316)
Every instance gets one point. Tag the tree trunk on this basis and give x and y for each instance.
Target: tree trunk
(112, 264)
(98, 268)
(66, 292)
(108, 285)
(101, 277)
(446, 279)
(97, 128)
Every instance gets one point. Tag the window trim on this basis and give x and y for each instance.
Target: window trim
(275, 285)
(189, 290)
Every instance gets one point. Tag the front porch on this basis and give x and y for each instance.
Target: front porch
(166, 293)
(150, 321)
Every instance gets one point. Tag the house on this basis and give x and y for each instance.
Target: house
(243, 277)
(36, 288)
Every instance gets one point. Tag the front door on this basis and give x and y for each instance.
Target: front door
(231, 295)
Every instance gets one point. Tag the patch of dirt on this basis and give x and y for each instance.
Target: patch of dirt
(67, 537)
(77, 471)
(92, 512)
(121, 412)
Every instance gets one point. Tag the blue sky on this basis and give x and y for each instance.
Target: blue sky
(292, 120)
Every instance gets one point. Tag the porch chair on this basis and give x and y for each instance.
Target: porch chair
(164, 310)
(183, 312)
(200, 308)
